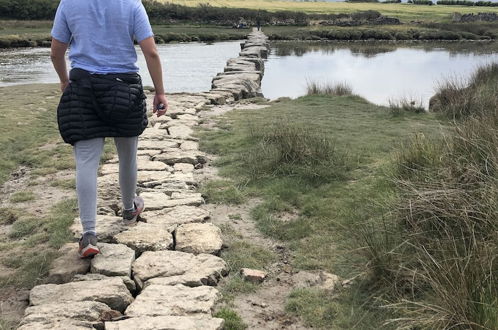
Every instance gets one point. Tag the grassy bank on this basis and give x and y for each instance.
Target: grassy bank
(322, 158)
(37, 33)
(405, 12)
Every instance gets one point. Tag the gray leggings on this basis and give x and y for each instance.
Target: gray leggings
(87, 154)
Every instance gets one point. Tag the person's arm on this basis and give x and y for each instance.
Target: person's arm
(153, 61)
(57, 54)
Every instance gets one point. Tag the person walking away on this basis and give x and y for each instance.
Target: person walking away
(103, 96)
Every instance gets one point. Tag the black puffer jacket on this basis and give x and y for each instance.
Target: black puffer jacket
(102, 105)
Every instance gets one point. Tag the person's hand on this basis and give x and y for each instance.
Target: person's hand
(64, 85)
(160, 105)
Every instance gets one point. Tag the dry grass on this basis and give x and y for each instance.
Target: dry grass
(434, 260)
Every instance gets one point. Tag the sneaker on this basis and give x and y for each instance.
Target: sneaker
(88, 246)
(130, 216)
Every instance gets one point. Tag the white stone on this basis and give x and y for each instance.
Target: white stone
(174, 267)
(167, 323)
(176, 216)
(198, 238)
(147, 237)
(111, 292)
(157, 145)
(162, 300)
(184, 167)
(113, 260)
(154, 200)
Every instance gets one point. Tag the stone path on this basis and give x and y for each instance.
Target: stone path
(161, 273)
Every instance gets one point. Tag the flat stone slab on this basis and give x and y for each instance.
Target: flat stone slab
(181, 132)
(189, 199)
(174, 267)
(67, 265)
(157, 145)
(198, 238)
(111, 292)
(167, 323)
(181, 156)
(154, 200)
(79, 313)
(153, 177)
(149, 165)
(180, 300)
(176, 215)
(189, 145)
(146, 237)
(107, 228)
(184, 167)
(57, 324)
(130, 284)
(113, 260)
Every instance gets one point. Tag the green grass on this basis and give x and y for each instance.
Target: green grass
(405, 12)
(232, 320)
(22, 196)
(357, 140)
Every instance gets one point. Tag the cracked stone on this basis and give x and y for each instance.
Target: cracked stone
(174, 267)
(176, 216)
(67, 265)
(111, 292)
(163, 300)
(130, 284)
(146, 237)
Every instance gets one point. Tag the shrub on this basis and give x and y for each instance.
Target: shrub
(406, 105)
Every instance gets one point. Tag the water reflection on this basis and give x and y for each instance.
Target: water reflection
(188, 67)
(378, 72)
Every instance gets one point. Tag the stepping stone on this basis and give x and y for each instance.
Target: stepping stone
(198, 238)
(157, 145)
(163, 300)
(154, 134)
(176, 216)
(130, 284)
(189, 145)
(67, 265)
(113, 260)
(149, 165)
(107, 228)
(111, 292)
(174, 267)
(84, 313)
(171, 186)
(147, 237)
(154, 200)
(150, 153)
(181, 132)
(181, 156)
(149, 177)
(189, 199)
(57, 324)
(184, 167)
(167, 323)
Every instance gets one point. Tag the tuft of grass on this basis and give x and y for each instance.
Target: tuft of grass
(316, 307)
(24, 227)
(457, 99)
(69, 184)
(340, 89)
(22, 196)
(8, 216)
(222, 192)
(232, 320)
(398, 107)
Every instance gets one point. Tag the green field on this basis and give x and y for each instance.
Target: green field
(405, 12)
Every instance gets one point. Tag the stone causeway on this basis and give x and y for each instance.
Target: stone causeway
(162, 273)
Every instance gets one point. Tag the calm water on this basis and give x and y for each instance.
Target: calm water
(379, 73)
(188, 67)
